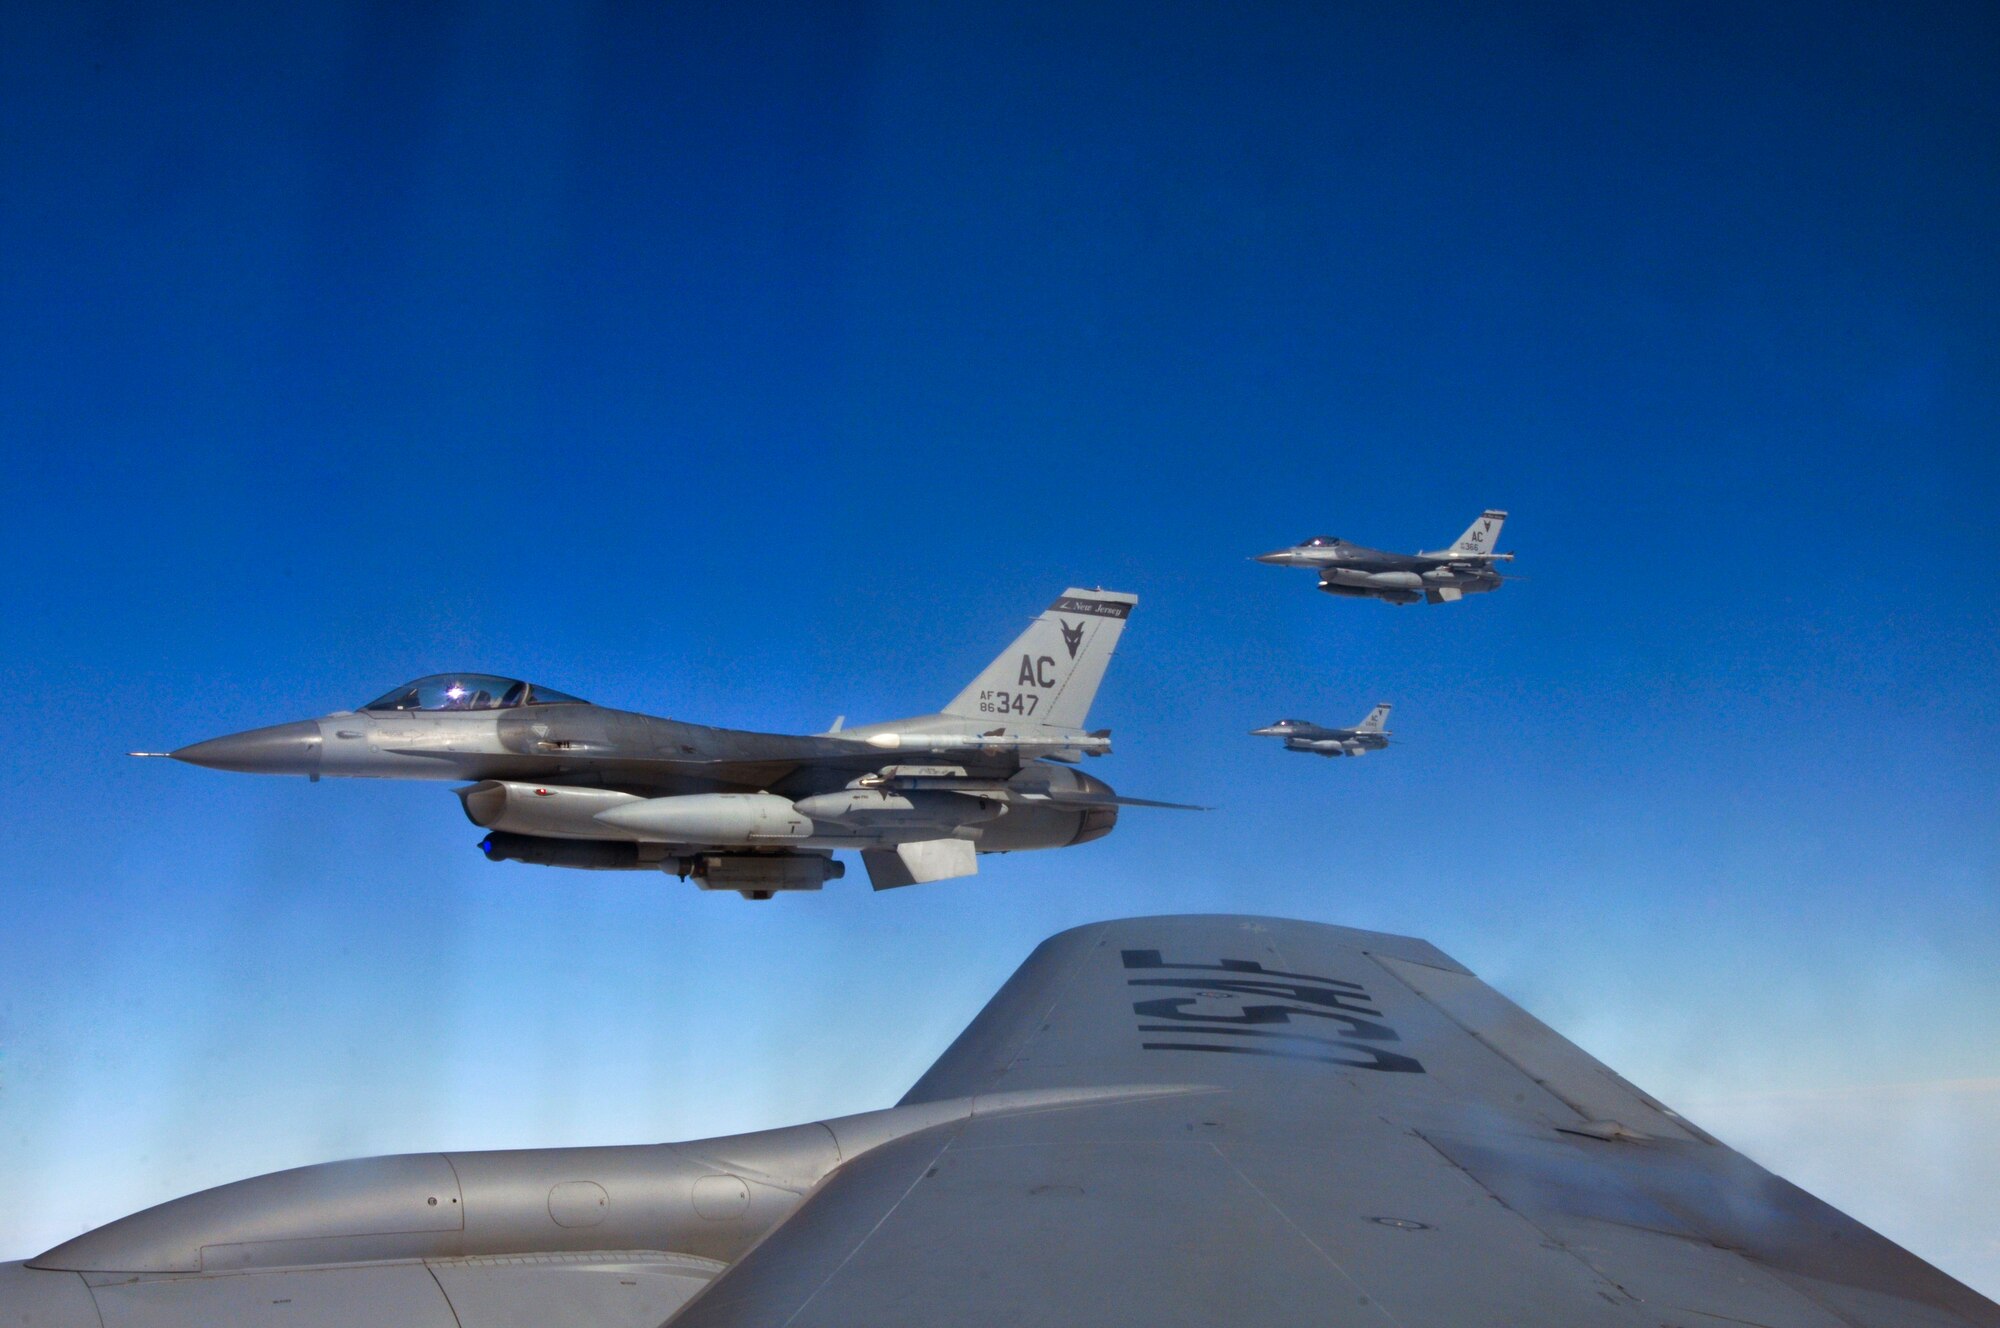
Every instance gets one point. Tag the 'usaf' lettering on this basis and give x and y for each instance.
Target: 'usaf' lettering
(1267, 1027)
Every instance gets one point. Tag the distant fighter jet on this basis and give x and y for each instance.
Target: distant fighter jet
(1439, 577)
(1208, 1122)
(565, 783)
(1300, 736)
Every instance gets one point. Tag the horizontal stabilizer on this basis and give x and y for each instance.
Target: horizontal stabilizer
(1083, 799)
(918, 863)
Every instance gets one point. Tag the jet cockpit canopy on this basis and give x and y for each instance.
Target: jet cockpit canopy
(1320, 542)
(469, 691)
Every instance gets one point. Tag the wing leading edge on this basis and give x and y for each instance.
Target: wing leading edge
(1391, 1142)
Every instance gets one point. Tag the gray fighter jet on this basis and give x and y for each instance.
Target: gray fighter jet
(565, 783)
(1301, 736)
(1213, 1122)
(1437, 577)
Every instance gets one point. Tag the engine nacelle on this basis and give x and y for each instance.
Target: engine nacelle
(747, 819)
(550, 811)
(1049, 825)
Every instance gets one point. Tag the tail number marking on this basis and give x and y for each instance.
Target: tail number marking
(1009, 703)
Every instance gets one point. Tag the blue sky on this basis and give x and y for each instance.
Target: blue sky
(766, 365)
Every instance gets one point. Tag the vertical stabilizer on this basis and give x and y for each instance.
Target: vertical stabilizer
(1376, 719)
(1482, 536)
(1050, 674)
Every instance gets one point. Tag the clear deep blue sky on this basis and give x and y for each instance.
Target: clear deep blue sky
(763, 365)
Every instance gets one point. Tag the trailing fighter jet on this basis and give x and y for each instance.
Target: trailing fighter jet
(1211, 1122)
(562, 782)
(1300, 736)
(1437, 577)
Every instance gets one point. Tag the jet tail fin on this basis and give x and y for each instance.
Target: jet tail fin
(1376, 719)
(1482, 535)
(1050, 674)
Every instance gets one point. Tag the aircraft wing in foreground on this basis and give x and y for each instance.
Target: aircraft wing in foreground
(1181, 1120)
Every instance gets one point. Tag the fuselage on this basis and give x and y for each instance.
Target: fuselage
(1358, 571)
(561, 782)
(573, 742)
(548, 771)
(1300, 736)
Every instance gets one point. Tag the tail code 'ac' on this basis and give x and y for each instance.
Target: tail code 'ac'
(1482, 535)
(1050, 675)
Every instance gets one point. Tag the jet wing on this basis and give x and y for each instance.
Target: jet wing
(1392, 1143)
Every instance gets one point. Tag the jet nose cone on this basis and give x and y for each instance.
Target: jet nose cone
(1268, 731)
(282, 749)
(1277, 556)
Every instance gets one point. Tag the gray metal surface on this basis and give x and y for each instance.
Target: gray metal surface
(1393, 1144)
(1183, 1120)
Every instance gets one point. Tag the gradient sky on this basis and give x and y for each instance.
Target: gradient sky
(760, 364)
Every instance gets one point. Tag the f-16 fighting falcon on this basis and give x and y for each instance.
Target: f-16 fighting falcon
(562, 782)
(1438, 577)
(1213, 1122)
(1300, 736)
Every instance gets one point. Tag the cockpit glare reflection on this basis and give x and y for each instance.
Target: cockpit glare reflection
(470, 691)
